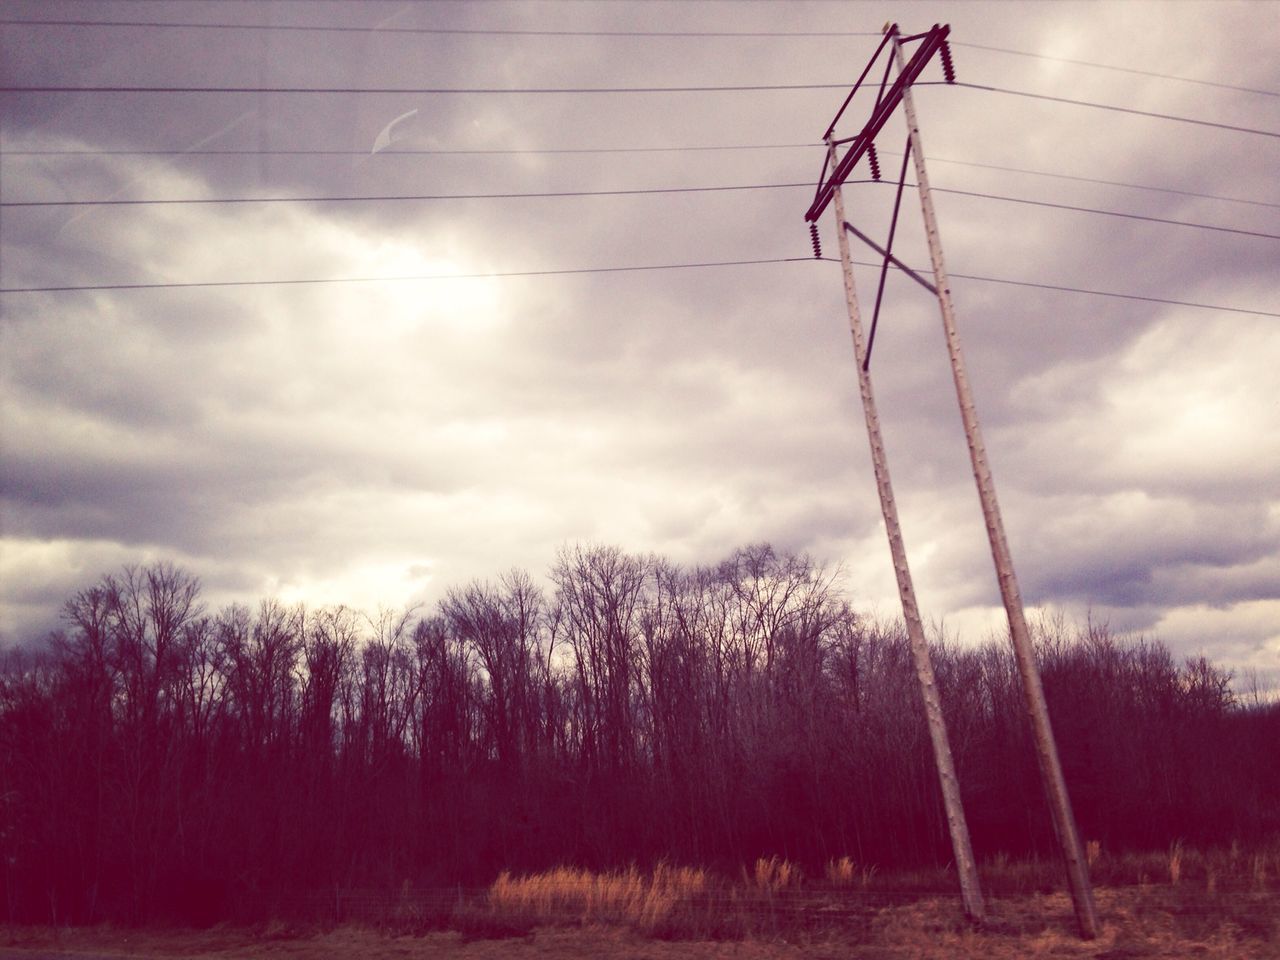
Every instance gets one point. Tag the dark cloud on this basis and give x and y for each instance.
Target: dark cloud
(374, 443)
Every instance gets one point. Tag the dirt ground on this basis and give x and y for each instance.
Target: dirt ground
(1138, 924)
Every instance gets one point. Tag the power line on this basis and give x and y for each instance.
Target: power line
(405, 152)
(1108, 213)
(1108, 183)
(1102, 293)
(433, 276)
(561, 194)
(538, 151)
(1005, 281)
(1106, 106)
(615, 269)
(378, 197)
(452, 31)
(1108, 66)
(725, 88)
(731, 88)
(446, 31)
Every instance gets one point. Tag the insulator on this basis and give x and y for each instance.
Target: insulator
(948, 68)
(817, 241)
(874, 161)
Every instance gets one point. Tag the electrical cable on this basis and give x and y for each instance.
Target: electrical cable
(452, 31)
(551, 194)
(1108, 66)
(1108, 213)
(417, 277)
(1108, 183)
(1101, 106)
(561, 194)
(597, 270)
(405, 152)
(1005, 281)
(446, 31)
(728, 88)
(409, 152)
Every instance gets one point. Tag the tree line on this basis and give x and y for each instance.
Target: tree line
(162, 762)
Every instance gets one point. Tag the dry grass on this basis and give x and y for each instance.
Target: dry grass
(1159, 922)
(775, 875)
(1175, 862)
(1228, 869)
(1092, 850)
(1173, 903)
(843, 873)
(646, 903)
(669, 903)
(840, 873)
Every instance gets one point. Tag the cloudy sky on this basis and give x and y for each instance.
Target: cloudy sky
(376, 442)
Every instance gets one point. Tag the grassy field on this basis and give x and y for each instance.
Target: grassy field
(1179, 903)
(1152, 921)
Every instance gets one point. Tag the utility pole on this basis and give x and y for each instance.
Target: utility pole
(1033, 692)
(966, 867)
(834, 174)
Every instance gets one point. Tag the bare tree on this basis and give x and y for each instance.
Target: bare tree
(158, 763)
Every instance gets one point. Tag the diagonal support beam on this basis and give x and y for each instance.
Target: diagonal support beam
(891, 258)
(888, 249)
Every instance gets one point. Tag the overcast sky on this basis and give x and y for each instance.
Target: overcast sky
(375, 443)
